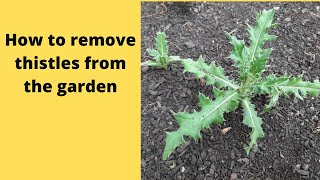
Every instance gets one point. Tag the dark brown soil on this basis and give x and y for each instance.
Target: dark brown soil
(291, 147)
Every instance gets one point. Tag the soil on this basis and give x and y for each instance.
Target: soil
(290, 149)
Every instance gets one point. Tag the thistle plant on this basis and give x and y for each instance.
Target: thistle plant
(251, 63)
(161, 55)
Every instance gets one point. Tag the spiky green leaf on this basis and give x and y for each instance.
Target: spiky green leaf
(251, 61)
(273, 99)
(217, 92)
(154, 53)
(213, 75)
(258, 36)
(239, 55)
(258, 66)
(154, 64)
(191, 124)
(160, 54)
(174, 58)
(161, 44)
(252, 120)
(203, 100)
(276, 86)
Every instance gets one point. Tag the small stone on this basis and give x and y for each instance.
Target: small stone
(276, 8)
(152, 92)
(203, 154)
(202, 167)
(182, 169)
(287, 19)
(255, 148)
(304, 10)
(305, 21)
(312, 143)
(180, 108)
(298, 166)
(291, 114)
(312, 109)
(267, 126)
(303, 172)
(252, 155)
(233, 176)
(305, 167)
(245, 160)
(207, 163)
(213, 158)
(189, 93)
(183, 94)
(190, 44)
(318, 8)
(273, 112)
(231, 164)
(193, 160)
(144, 69)
(143, 163)
(232, 154)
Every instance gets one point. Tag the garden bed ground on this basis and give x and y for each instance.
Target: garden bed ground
(291, 147)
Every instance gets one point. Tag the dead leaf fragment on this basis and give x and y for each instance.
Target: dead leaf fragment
(158, 104)
(202, 82)
(225, 130)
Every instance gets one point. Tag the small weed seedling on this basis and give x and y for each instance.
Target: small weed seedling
(160, 55)
(251, 62)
